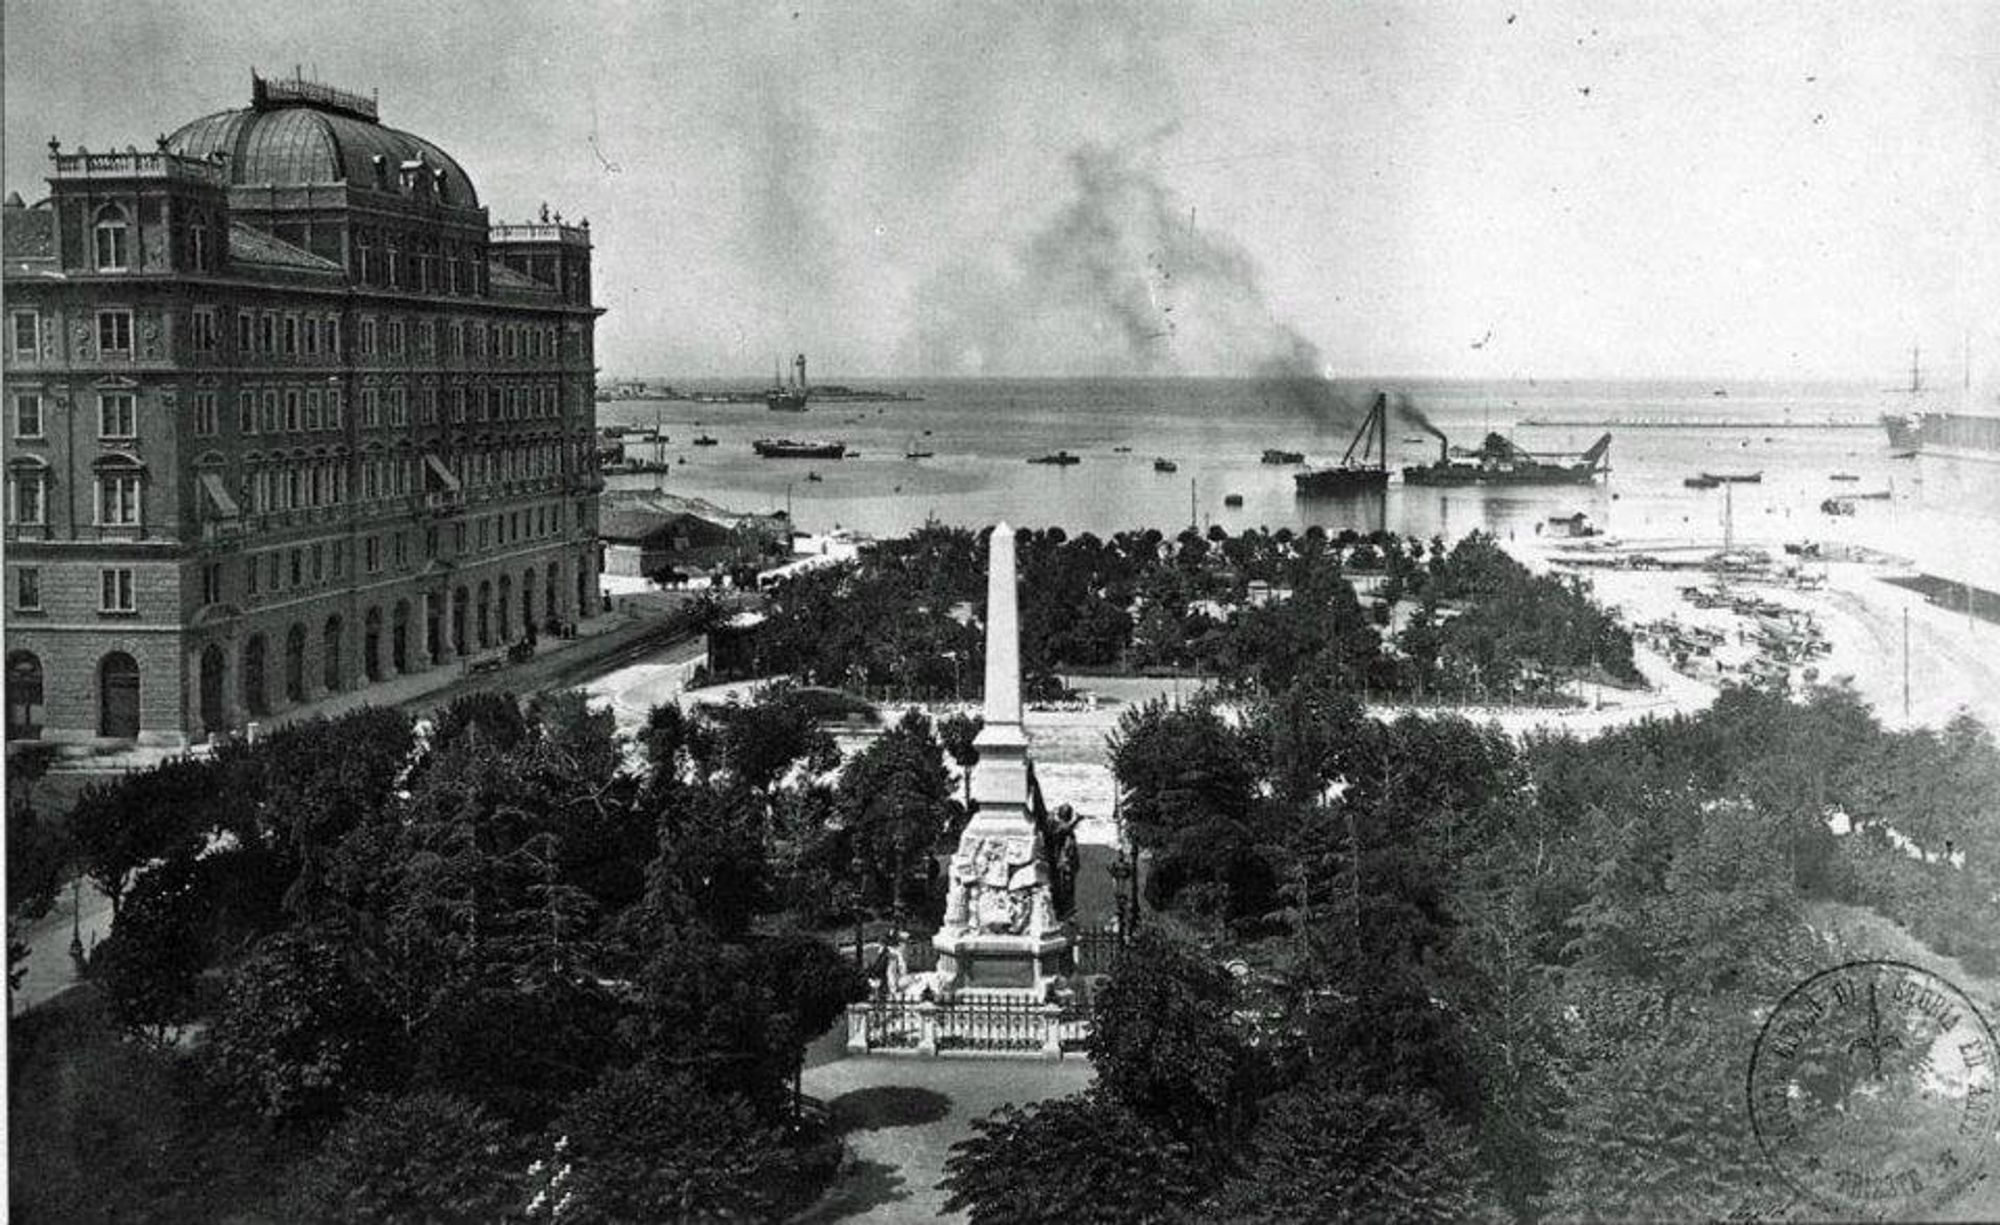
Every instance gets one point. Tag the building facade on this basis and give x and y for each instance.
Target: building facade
(285, 414)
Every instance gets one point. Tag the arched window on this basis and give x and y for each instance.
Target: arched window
(112, 239)
(24, 696)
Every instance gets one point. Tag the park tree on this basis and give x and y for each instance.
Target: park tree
(38, 848)
(651, 1144)
(762, 739)
(710, 866)
(1165, 1042)
(150, 965)
(1326, 1151)
(895, 804)
(298, 1033)
(959, 732)
(1083, 1158)
(1190, 798)
(414, 1157)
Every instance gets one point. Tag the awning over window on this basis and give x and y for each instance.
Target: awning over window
(445, 478)
(218, 495)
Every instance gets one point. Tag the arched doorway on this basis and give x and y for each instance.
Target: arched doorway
(583, 608)
(551, 609)
(460, 598)
(485, 618)
(371, 644)
(256, 698)
(295, 663)
(329, 653)
(505, 606)
(118, 696)
(214, 670)
(24, 696)
(528, 599)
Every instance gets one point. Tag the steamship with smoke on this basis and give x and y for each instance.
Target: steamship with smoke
(1499, 462)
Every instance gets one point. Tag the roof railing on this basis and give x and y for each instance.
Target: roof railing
(540, 231)
(265, 94)
(83, 164)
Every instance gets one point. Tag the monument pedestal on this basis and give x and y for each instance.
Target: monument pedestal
(979, 966)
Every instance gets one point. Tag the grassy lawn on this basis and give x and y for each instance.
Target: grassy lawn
(104, 1128)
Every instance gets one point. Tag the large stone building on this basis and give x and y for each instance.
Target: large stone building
(284, 414)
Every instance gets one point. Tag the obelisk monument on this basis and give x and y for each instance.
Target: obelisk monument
(1000, 935)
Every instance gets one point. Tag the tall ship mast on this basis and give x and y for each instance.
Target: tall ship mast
(788, 397)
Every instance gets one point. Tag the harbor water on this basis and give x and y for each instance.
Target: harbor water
(983, 432)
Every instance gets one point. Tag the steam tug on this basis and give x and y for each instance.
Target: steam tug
(1499, 462)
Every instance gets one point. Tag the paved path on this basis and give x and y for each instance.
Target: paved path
(50, 970)
(901, 1116)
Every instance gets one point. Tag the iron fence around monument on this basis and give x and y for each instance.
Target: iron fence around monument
(1097, 949)
(967, 1026)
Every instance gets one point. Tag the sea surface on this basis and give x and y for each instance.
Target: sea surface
(984, 431)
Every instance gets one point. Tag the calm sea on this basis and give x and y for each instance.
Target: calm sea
(984, 431)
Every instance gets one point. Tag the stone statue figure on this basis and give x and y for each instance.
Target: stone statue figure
(1064, 859)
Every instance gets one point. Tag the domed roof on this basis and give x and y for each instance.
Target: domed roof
(292, 143)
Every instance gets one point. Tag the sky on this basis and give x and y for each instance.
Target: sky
(1471, 190)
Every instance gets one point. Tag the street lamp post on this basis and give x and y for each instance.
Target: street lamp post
(860, 866)
(76, 921)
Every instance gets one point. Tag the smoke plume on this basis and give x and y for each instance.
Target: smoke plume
(1408, 411)
(1120, 279)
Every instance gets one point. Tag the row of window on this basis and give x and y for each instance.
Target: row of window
(115, 590)
(511, 402)
(394, 336)
(292, 334)
(400, 261)
(270, 334)
(272, 410)
(280, 570)
(117, 415)
(111, 240)
(118, 499)
(287, 483)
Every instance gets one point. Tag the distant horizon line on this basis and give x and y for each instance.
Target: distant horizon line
(1709, 380)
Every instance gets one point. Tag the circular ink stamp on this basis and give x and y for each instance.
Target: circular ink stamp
(1873, 1090)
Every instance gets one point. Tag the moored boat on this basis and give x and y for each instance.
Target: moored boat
(1061, 459)
(793, 448)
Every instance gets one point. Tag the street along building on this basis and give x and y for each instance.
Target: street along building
(285, 414)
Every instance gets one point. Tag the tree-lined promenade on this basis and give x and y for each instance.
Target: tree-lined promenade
(495, 966)
(1261, 610)
(509, 965)
(1415, 970)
